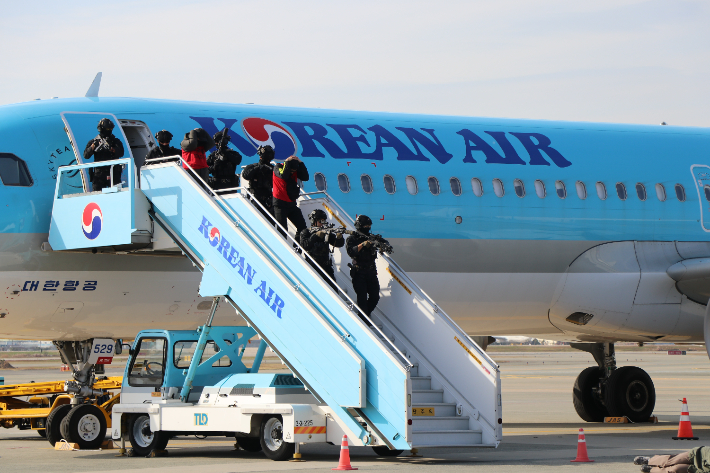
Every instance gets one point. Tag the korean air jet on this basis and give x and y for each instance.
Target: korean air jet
(586, 232)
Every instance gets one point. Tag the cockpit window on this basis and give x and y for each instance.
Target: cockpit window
(13, 171)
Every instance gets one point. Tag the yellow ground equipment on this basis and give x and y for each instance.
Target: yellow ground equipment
(37, 406)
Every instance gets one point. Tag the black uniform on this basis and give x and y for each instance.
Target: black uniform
(223, 167)
(364, 273)
(261, 181)
(103, 143)
(318, 246)
(161, 151)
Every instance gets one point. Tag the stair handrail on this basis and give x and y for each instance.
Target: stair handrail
(463, 336)
(389, 348)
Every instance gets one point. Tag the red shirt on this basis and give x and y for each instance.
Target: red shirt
(281, 183)
(196, 158)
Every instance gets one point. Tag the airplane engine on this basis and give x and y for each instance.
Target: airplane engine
(621, 291)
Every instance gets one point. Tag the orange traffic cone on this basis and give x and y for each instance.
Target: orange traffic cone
(581, 449)
(685, 430)
(344, 463)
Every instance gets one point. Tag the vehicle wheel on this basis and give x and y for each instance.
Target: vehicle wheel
(630, 392)
(386, 452)
(271, 439)
(587, 404)
(54, 420)
(143, 440)
(42, 433)
(86, 426)
(63, 428)
(249, 444)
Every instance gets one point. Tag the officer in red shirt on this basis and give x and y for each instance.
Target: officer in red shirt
(194, 146)
(286, 192)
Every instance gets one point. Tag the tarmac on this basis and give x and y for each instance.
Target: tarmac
(540, 427)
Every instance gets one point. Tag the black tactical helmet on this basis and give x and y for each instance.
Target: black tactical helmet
(218, 136)
(265, 152)
(317, 215)
(362, 221)
(163, 136)
(105, 124)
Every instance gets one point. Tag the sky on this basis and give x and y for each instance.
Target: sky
(624, 61)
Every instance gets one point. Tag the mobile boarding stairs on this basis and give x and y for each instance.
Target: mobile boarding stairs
(414, 379)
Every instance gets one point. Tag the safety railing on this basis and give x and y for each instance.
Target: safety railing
(62, 190)
(387, 345)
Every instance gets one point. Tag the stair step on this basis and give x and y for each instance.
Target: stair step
(422, 423)
(420, 396)
(446, 438)
(441, 409)
(421, 382)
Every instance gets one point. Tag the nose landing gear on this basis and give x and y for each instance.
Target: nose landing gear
(606, 390)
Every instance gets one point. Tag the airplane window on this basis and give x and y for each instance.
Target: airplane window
(366, 182)
(519, 188)
(411, 185)
(477, 187)
(661, 192)
(433, 185)
(680, 192)
(13, 171)
(601, 190)
(389, 184)
(621, 190)
(641, 191)
(321, 185)
(455, 186)
(707, 193)
(540, 189)
(344, 183)
(581, 190)
(498, 187)
(561, 189)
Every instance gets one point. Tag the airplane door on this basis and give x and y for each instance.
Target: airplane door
(81, 127)
(701, 176)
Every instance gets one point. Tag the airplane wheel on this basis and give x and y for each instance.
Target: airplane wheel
(54, 421)
(85, 425)
(271, 439)
(588, 406)
(630, 392)
(249, 444)
(143, 440)
(386, 452)
(42, 433)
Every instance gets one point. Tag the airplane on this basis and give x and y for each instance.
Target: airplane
(591, 233)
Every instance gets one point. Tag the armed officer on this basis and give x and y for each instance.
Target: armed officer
(362, 247)
(105, 147)
(261, 177)
(223, 163)
(286, 192)
(163, 150)
(317, 241)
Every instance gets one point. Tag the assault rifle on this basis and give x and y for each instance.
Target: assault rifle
(379, 243)
(223, 144)
(103, 144)
(329, 229)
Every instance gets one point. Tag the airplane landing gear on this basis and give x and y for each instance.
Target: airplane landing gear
(606, 390)
(79, 422)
